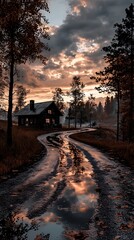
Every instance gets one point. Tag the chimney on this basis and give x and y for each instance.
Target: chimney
(32, 105)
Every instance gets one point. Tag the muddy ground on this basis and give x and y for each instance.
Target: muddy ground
(74, 192)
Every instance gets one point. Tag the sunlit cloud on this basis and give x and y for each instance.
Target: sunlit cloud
(77, 5)
(49, 217)
(76, 45)
(52, 30)
(85, 45)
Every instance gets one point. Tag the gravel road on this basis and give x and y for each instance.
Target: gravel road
(74, 192)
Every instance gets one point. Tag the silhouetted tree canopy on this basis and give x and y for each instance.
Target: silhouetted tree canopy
(118, 75)
(76, 93)
(58, 98)
(23, 32)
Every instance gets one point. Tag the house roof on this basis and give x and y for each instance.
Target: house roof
(38, 108)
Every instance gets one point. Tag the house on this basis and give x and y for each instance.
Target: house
(40, 115)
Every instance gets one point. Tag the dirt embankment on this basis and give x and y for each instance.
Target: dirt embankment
(105, 140)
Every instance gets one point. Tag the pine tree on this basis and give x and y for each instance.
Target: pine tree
(58, 99)
(100, 111)
(90, 108)
(21, 93)
(127, 44)
(77, 95)
(118, 75)
(107, 106)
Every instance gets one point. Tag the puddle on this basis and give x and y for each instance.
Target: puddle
(66, 202)
(62, 197)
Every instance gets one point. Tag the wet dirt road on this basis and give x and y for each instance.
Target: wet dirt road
(74, 192)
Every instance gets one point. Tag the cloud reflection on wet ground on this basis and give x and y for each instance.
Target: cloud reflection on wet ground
(71, 195)
(74, 192)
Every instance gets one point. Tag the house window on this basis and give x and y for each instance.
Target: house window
(31, 121)
(49, 111)
(48, 120)
(27, 122)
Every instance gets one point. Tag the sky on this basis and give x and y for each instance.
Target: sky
(78, 29)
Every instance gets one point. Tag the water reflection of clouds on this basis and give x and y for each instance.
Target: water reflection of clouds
(23, 216)
(72, 215)
(83, 187)
(85, 202)
(49, 217)
(80, 193)
(84, 197)
(75, 205)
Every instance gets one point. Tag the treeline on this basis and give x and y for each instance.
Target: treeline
(95, 114)
(118, 75)
(84, 111)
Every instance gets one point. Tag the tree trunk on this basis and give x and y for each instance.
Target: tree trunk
(80, 118)
(118, 110)
(90, 119)
(131, 107)
(69, 114)
(10, 104)
(118, 119)
(75, 118)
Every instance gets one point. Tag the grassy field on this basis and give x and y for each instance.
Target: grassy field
(24, 150)
(105, 140)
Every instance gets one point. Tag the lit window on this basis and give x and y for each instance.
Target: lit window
(47, 120)
(49, 111)
(27, 123)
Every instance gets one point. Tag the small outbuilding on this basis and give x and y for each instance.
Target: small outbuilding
(40, 115)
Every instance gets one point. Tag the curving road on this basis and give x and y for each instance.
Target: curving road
(74, 192)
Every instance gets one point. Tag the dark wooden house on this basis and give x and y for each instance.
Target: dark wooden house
(40, 115)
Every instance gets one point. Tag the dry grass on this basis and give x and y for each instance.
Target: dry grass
(24, 150)
(104, 139)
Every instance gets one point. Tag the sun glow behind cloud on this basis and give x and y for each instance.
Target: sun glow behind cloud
(78, 29)
(80, 3)
(59, 73)
(85, 45)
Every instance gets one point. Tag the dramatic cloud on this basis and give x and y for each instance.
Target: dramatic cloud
(93, 22)
(76, 45)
